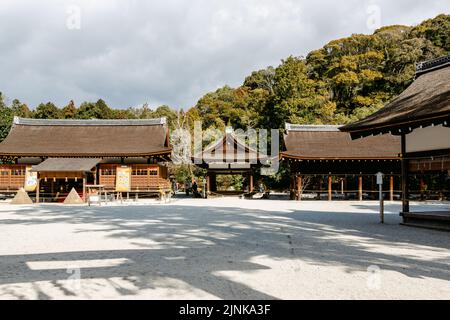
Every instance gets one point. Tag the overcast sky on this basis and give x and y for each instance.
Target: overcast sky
(128, 52)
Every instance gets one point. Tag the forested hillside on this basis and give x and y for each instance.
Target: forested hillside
(345, 80)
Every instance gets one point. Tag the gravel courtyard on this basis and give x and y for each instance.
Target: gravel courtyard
(220, 249)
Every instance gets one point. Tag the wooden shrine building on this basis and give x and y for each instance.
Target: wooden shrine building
(50, 157)
(420, 116)
(326, 162)
(230, 155)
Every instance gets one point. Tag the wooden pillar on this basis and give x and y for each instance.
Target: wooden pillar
(330, 188)
(405, 196)
(422, 188)
(299, 188)
(52, 188)
(251, 183)
(360, 188)
(293, 187)
(391, 188)
(38, 187)
(345, 187)
(84, 188)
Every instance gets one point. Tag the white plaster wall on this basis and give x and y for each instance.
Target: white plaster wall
(429, 138)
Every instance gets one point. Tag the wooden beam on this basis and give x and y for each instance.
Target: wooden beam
(84, 188)
(360, 188)
(299, 188)
(405, 201)
(391, 188)
(330, 188)
(251, 182)
(38, 190)
(292, 187)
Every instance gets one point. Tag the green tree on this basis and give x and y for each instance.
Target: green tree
(122, 114)
(227, 107)
(262, 79)
(6, 118)
(47, 111)
(20, 109)
(298, 98)
(2, 100)
(7, 114)
(69, 111)
(436, 30)
(97, 110)
(167, 112)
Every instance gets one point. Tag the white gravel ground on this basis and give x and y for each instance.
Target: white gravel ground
(220, 249)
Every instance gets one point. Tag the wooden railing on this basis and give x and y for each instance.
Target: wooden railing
(143, 178)
(12, 177)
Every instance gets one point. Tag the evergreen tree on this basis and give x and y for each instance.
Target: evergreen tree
(47, 111)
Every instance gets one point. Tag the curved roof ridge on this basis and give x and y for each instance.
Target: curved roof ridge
(91, 122)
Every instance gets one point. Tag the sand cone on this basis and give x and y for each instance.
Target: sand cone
(22, 197)
(73, 198)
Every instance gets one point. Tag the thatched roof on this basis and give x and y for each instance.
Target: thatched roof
(328, 143)
(86, 138)
(426, 102)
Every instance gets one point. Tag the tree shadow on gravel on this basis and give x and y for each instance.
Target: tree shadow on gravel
(193, 243)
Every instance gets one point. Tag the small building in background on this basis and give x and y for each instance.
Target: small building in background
(50, 157)
(231, 154)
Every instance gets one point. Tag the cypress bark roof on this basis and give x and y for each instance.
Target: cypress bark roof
(86, 138)
(327, 142)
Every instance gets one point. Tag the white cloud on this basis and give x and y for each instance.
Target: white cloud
(168, 52)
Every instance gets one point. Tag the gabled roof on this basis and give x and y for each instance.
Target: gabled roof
(86, 138)
(230, 148)
(328, 143)
(426, 102)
